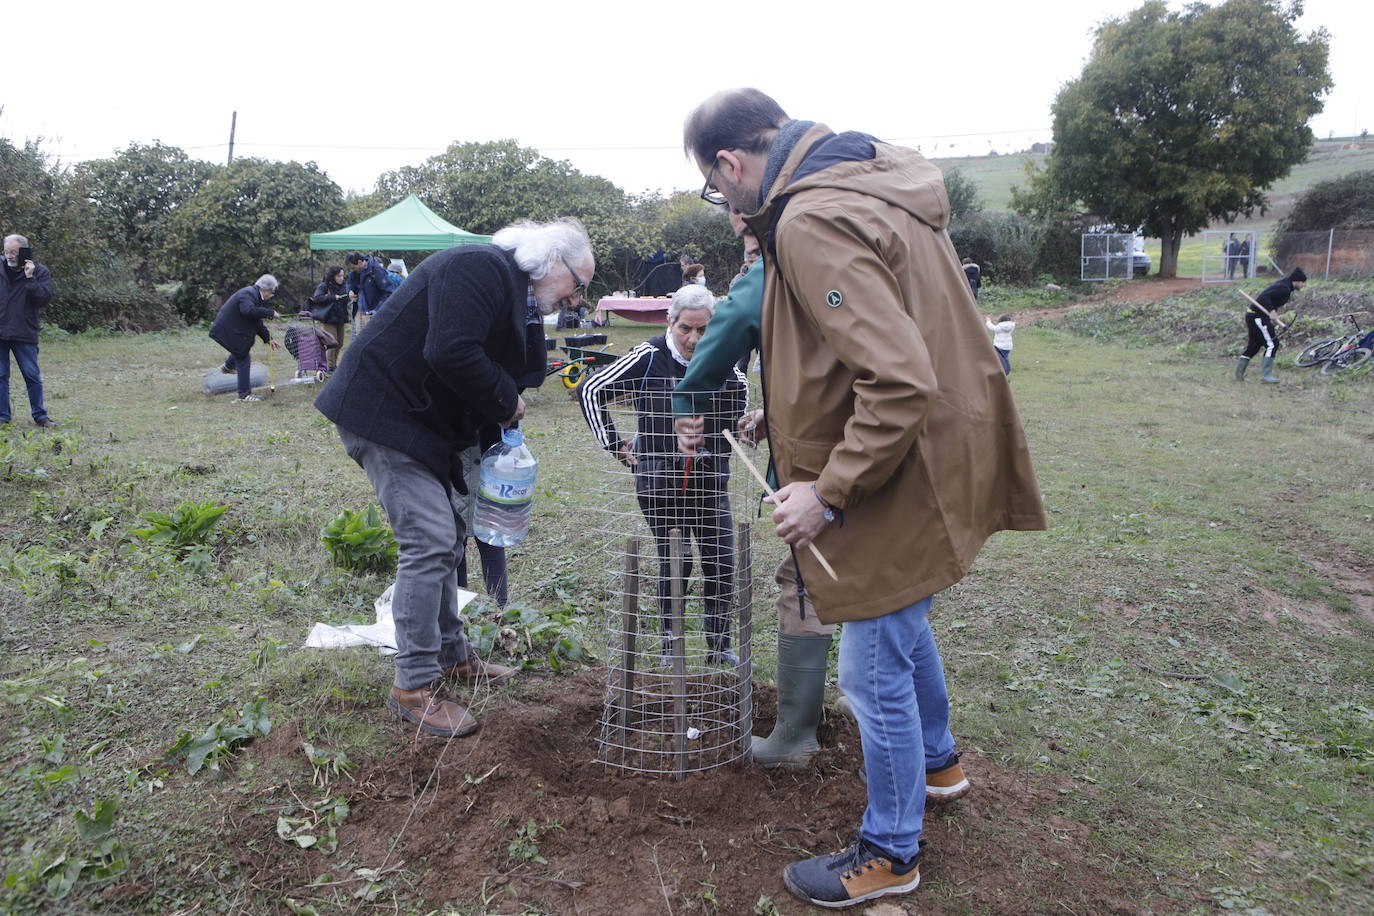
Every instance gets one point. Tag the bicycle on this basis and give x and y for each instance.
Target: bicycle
(1324, 350)
(1348, 360)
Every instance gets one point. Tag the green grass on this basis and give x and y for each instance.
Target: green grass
(1181, 657)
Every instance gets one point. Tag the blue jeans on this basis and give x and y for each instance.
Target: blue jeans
(1004, 357)
(26, 355)
(428, 523)
(891, 672)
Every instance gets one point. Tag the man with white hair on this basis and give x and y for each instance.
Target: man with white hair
(239, 320)
(441, 365)
(674, 492)
(25, 287)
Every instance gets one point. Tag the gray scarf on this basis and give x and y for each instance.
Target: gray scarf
(787, 138)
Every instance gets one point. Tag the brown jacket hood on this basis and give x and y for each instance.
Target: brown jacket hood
(882, 386)
(857, 163)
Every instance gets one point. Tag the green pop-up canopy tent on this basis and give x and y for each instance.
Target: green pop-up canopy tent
(408, 226)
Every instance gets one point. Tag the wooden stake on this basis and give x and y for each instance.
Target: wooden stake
(675, 615)
(744, 601)
(629, 625)
(743, 456)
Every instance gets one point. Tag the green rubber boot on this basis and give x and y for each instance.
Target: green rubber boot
(1242, 364)
(801, 693)
(1268, 374)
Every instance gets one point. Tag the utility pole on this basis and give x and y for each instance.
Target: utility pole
(233, 123)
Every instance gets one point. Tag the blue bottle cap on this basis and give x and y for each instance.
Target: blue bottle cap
(512, 437)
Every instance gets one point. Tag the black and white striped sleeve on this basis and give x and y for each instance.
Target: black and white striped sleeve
(620, 376)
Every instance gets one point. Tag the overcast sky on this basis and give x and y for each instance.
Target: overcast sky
(362, 88)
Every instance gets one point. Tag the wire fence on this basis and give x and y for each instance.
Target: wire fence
(1336, 254)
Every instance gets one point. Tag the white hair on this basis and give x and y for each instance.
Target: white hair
(691, 297)
(23, 242)
(266, 281)
(539, 246)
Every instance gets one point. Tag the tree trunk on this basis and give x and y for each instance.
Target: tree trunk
(1168, 252)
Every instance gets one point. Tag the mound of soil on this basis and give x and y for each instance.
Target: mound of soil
(450, 813)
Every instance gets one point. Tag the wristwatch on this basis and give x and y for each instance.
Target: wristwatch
(829, 509)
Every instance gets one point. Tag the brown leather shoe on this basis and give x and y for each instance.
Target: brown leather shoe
(475, 671)
(430, 709)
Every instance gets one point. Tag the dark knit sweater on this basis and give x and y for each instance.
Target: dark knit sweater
(449, 353)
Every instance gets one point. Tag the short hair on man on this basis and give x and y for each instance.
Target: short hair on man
(353, 257)
(266, 281)
(738, 119)
(537, 247)
(23, 242)
(689, 298)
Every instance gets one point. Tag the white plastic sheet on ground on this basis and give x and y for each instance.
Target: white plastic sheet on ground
(381, 634)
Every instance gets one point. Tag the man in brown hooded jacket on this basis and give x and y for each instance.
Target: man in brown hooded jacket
(893, 432)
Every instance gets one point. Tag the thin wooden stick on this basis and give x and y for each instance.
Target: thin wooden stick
(676, 610)
(1273, 315)
(744, 602)
(629, 615)
(743, 456)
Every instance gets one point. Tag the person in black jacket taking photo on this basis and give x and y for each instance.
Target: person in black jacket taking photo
(240, 319)
(25, 287)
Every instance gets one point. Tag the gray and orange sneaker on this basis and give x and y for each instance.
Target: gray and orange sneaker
(947, 783)
(859, 872)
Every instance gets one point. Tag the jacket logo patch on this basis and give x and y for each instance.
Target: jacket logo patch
(834, 298)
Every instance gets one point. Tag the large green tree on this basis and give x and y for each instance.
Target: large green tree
(1182, 118)
(485, 186)
(135, 192)
(249, 218)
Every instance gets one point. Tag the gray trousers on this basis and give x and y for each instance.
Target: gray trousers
(429, 529)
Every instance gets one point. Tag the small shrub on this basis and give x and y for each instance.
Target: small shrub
(218, 744)
(361, 542)
(531, 636)
(189, 525)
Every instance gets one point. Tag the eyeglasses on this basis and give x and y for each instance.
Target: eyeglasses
(579, 285)
(708, 190)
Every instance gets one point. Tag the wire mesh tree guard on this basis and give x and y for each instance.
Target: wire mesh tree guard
(679, 648)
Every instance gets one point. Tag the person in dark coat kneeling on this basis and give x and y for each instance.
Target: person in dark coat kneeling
(238, 322)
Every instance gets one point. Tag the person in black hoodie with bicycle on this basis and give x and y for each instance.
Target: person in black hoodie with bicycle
(1262, 324)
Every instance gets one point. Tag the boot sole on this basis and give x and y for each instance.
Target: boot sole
(940, 796)
(798, 761)
(413, 719)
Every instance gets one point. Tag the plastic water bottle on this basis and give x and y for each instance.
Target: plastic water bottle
(505, 492)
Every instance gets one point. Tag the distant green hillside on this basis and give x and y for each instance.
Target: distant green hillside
(995, 176)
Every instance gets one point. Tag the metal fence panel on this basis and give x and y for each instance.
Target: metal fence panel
(1106, 256)
(1228, 255)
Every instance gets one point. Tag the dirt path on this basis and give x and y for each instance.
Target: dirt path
(1150, 290)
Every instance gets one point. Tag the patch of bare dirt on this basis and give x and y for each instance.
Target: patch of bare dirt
(621, 845)
(1151, 290)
